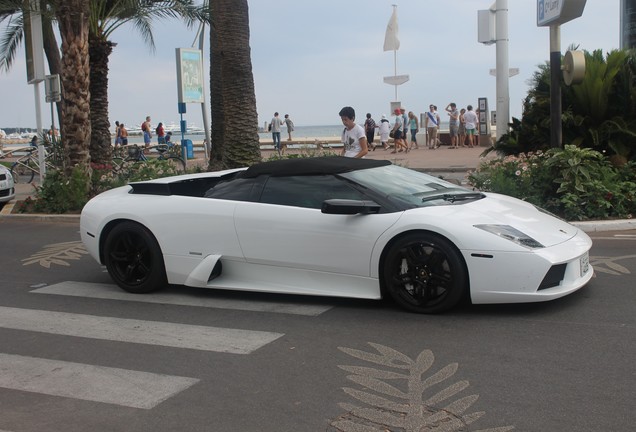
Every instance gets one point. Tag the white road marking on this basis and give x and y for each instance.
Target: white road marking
(93, 383)
(203, 338)
(113, 292)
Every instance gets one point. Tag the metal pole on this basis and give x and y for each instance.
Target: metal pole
(38, 122)
(53, 139)
(555, 87)
(204, 106)
(503, 75)
(621, 34)
(395, 70)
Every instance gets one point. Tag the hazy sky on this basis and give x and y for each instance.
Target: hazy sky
(311, 58)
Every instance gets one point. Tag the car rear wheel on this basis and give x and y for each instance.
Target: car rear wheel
(425, 273)
(133, 259)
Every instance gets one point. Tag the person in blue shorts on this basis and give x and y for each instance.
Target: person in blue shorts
(145, 127)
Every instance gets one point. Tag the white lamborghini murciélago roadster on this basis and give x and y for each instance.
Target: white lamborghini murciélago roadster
(334, 226)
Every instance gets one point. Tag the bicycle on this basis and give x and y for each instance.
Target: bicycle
(26, 167)
(128, 159)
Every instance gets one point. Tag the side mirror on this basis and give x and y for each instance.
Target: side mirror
(349, 207)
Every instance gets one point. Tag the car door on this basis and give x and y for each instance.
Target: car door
(287, 228)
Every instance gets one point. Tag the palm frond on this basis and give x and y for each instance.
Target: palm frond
(9, 43)
(9, 7)
(108, 16)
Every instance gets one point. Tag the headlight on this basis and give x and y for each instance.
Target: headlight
(514, 235)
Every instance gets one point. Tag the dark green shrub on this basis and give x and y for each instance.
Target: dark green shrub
(574, 183)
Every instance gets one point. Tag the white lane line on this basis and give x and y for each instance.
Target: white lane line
(86, 382)
(203, 338)
(113, 292)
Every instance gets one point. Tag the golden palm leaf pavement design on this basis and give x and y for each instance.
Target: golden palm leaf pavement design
(57, 253)
(403, 395)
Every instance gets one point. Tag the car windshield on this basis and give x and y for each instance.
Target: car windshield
(411, 188)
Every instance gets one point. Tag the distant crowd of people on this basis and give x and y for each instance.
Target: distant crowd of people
(163, 137)
(358, 139)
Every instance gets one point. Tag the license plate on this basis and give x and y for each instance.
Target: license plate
(585, 263)
(4, 184)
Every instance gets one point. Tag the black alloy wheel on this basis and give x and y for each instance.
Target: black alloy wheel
(425, 273)
(133, 259)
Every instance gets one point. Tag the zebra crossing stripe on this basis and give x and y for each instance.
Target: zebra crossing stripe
(113, 292)
(195, 337)
(87, 382)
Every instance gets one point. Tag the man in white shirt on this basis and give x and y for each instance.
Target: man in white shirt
(275, 125)
(354, 139)
(471, 125)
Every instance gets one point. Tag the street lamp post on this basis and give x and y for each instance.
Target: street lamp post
(553, 13)
(493, 28)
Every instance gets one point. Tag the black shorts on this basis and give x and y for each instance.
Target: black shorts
(370, 136)
(398, 135)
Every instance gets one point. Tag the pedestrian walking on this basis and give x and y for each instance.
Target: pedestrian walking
(369, 129)
(354, 140)
(275, 125)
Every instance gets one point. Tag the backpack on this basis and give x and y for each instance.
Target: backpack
(143, 126)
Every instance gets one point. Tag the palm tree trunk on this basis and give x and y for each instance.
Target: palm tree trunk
(100, 147)
(72, 16)
(233, 100)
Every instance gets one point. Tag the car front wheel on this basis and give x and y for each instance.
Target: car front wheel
(133, 259)
(425, 273)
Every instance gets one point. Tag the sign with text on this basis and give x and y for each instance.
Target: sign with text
(555, 12)
(52, 88)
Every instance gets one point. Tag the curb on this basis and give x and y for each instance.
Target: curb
(601, 226)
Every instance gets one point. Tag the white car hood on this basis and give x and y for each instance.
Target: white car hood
(504, 210)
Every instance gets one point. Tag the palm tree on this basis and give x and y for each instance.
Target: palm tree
(233, 98)
(73, 21)
(604, 103)
(106, 17)
(12, 12)
(598, 113)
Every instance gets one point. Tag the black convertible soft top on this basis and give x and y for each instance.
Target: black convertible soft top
(312, 166)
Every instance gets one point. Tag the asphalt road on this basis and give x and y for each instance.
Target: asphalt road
(78, 354)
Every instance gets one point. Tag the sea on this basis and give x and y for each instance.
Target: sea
(300, 132)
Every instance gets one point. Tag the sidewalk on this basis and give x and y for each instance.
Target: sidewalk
(444, 162)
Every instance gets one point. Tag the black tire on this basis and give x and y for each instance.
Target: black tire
(425, 273)
(176, 163)
(133, 259)
(23, 172)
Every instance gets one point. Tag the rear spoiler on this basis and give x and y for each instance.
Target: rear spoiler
(195, 187)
